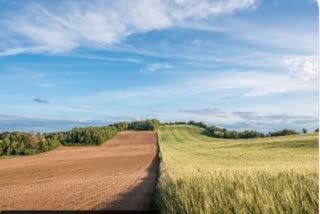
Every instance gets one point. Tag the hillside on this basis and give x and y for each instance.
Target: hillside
(200, 174)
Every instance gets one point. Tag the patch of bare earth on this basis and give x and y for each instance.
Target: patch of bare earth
(118, 175)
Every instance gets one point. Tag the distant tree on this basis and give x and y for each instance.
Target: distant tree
(317, 130)
(283, 132)
(199, 124)
(304, 131)
(217, 132)
(152, 125)
(122, 126)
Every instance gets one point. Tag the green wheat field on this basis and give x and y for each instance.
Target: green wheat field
(200, 174)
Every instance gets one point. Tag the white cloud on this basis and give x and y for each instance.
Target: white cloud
(103, 58)
(156, 67)
(260, 120)
(305, 67)
(14, 51)
(98, 24)
(241, 84)
(295, 37)
(255, 83)
(184, 9)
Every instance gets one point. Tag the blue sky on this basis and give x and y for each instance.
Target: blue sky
(241, 64)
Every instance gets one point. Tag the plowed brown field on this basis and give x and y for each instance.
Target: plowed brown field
(118, 175)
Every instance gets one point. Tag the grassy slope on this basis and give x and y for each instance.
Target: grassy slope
(271, 175)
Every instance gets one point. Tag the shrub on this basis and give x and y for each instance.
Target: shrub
(283, 132)
(199, 124)
(20, 143)
(217, 132)
(146, 125)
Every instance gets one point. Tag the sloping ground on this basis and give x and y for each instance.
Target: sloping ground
(185, 148)
(117, 175)
(200, 174)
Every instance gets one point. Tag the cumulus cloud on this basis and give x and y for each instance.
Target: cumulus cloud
(43, 27)
(305, 67)
(40, 100)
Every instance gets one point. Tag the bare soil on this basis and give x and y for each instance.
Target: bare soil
(120, 174)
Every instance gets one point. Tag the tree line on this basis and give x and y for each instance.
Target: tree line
(190, 122)
(21, 143)
(217, 132)
(99, 135)
(151, 125)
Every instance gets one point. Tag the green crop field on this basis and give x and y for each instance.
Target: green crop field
(199, 174)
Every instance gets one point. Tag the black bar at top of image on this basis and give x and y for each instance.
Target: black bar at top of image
(74, 212)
